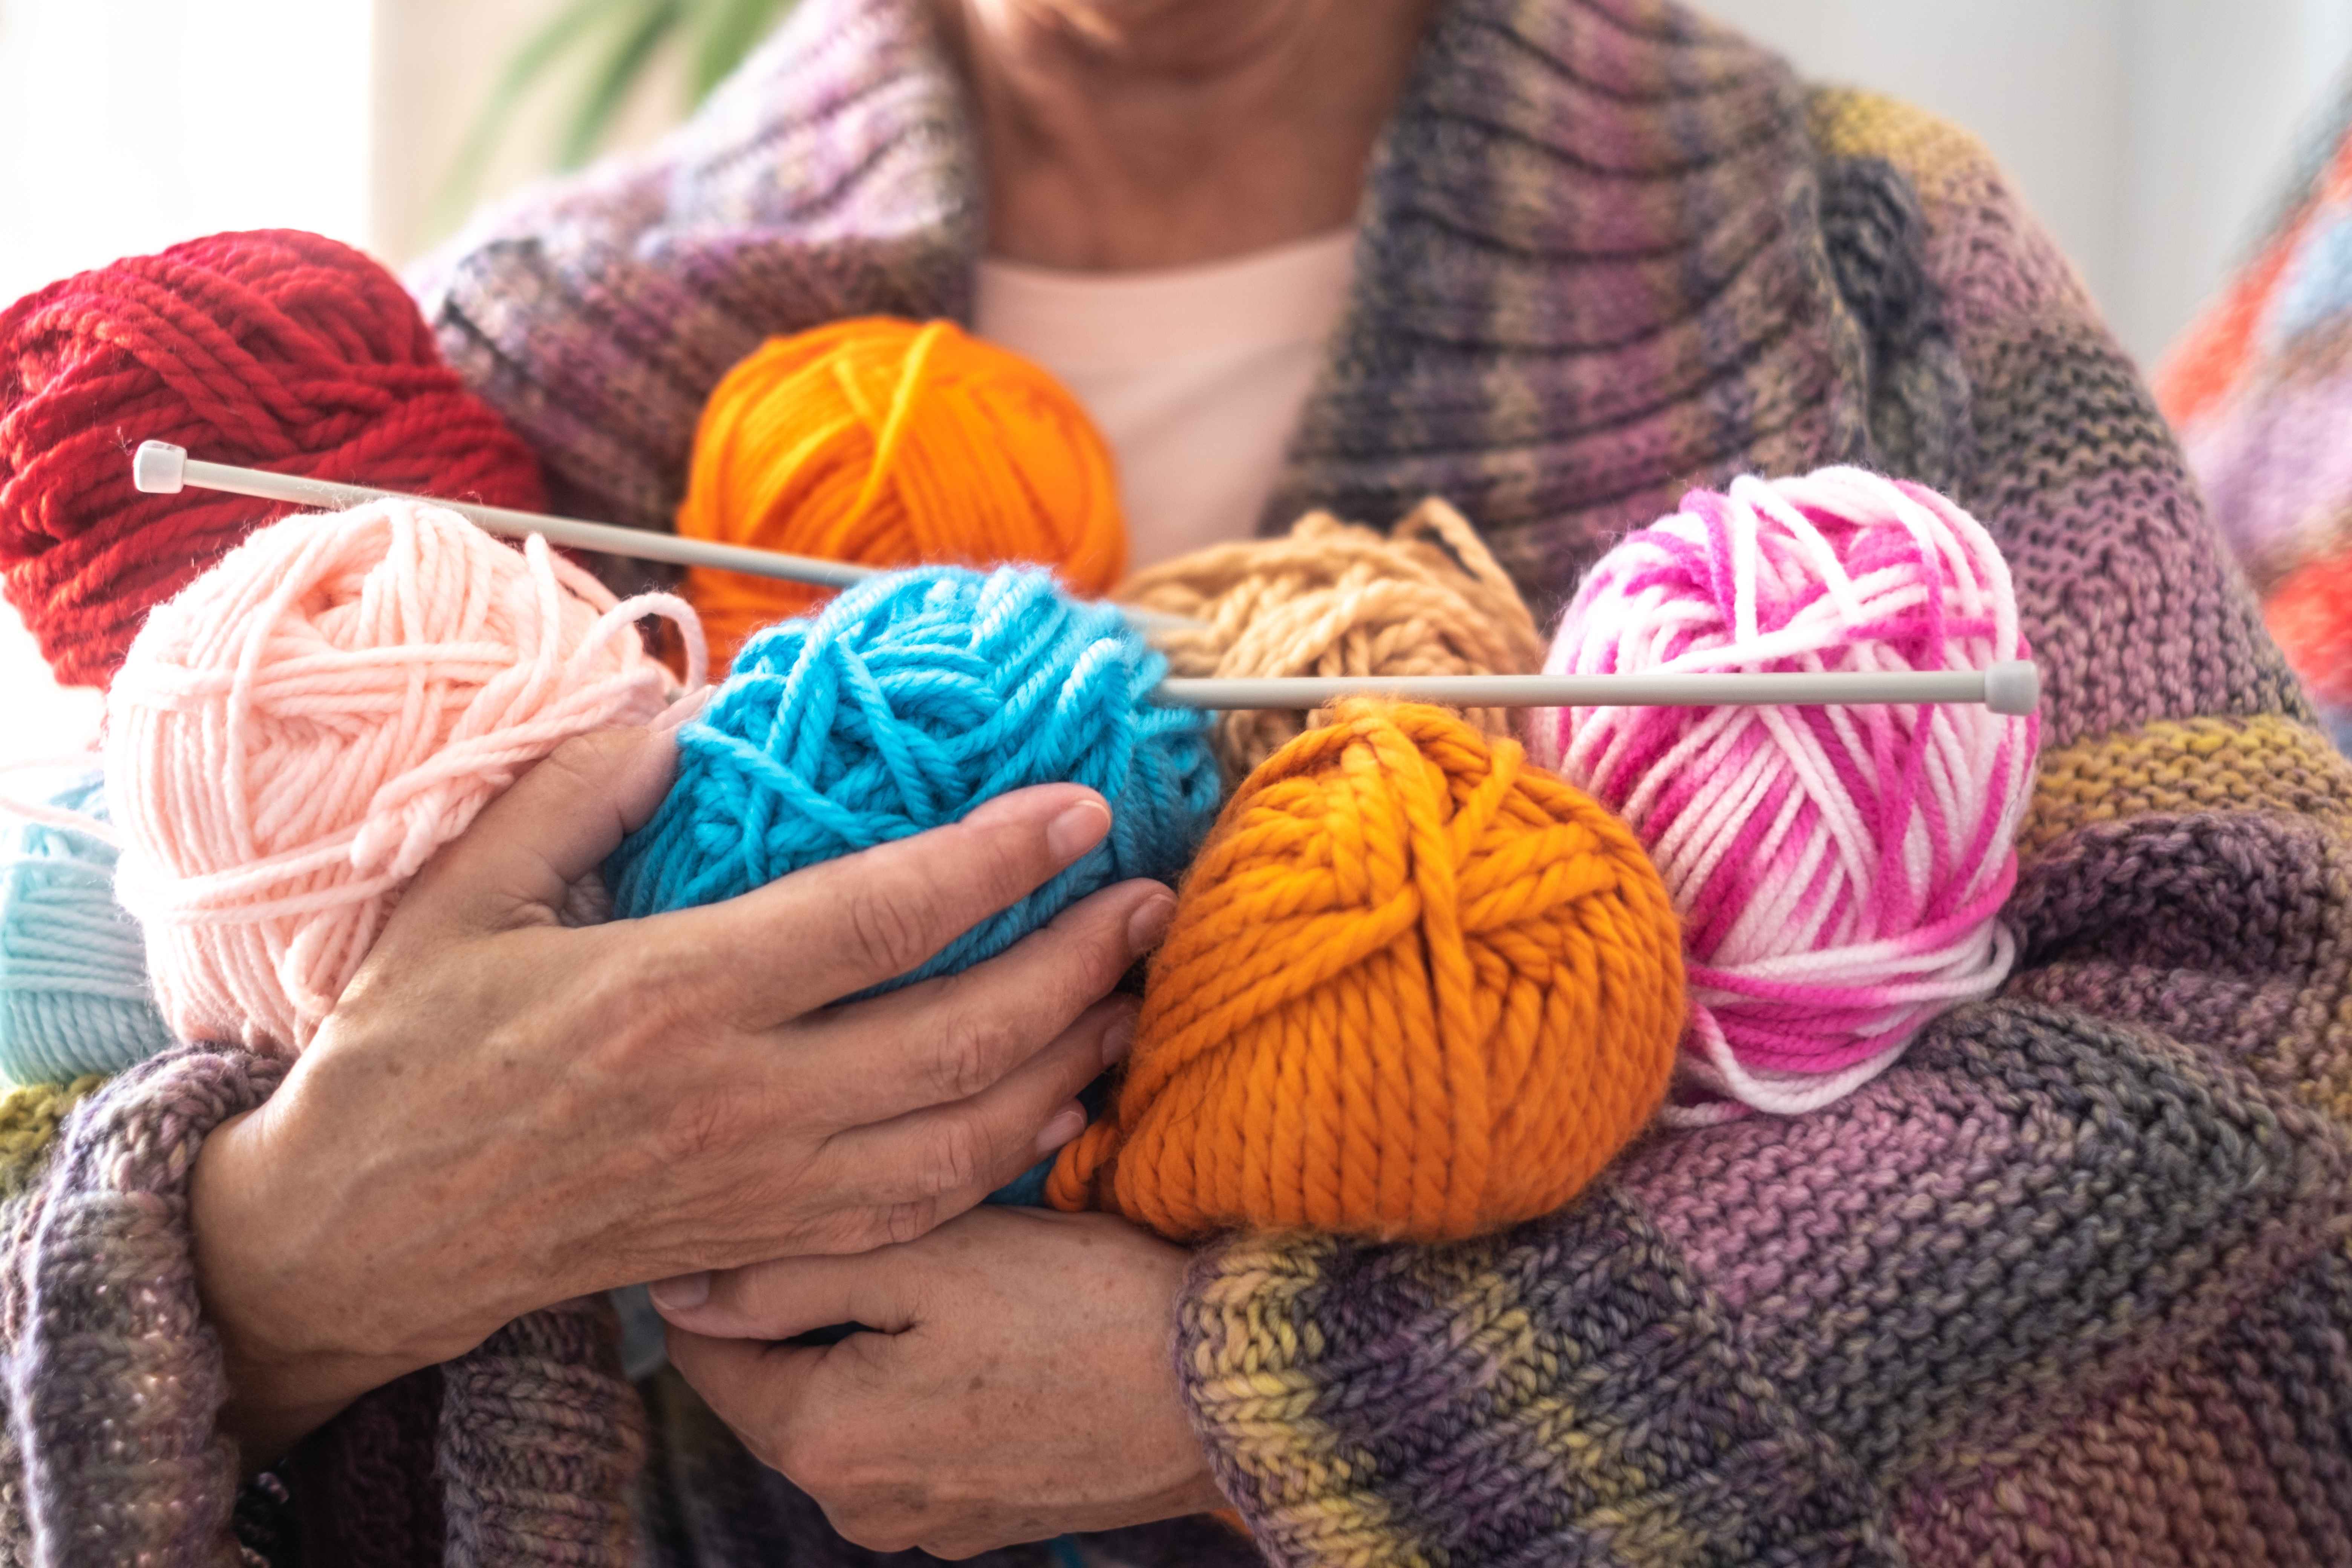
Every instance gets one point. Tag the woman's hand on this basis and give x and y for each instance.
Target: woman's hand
(1020, 1383)
(503, 1112)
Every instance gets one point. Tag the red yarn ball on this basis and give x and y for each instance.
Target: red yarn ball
(273, 349)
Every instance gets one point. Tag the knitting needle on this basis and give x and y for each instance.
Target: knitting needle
(159, 467)
(2012, 686)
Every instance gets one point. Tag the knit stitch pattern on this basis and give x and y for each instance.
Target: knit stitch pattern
(113, 1378)
(2067, 1284)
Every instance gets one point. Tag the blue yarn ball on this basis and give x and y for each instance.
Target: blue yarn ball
(905, 703)
(73, 965)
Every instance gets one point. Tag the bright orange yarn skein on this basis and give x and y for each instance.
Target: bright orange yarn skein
(1417, 987)
(887, 443)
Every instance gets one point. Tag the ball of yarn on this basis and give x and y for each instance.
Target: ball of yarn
(1329, 598)
(910, 700)
(274, 349)
(1838, 869)
(1416, 987)
(73, 965)
(291, 737)
(891, 444)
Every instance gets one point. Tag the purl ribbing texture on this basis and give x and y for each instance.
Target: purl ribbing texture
(292, 738)
(1839, 870)
(910, 699)
(73, 965)
(1416, 987)
(274, 349)
(1332, 598)
(891, 443)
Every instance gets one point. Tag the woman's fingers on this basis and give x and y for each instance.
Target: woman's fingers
(554, 825)
(914, 1171)
(835, 929)
(759, 1388)
(778, 1299)
(946, 1040)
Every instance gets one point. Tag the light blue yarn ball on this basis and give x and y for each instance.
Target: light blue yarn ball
(73, 965)
(908, 701)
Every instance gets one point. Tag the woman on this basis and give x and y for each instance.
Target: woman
(2069, 1283)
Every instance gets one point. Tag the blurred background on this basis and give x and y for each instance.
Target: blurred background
(2151, 135)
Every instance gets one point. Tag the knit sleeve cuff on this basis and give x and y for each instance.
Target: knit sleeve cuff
(1567, 1391)
(114, 1380)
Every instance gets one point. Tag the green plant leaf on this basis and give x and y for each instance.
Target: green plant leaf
(610, 87)
(730, 30)
(718, 35)
(538, 54)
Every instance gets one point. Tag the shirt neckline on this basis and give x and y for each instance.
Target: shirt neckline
(1078, 322)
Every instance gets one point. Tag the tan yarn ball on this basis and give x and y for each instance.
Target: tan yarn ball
(1335, 598)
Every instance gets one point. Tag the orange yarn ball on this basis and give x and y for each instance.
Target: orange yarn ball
(1416, 987)
(889, 444)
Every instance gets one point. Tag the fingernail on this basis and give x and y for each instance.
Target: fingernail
(681, 1294)
(1078, 829)
(1119, 1039)
(1149, 923)
(680, 711)
(1066, 1124)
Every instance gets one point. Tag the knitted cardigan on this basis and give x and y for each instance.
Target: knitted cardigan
(2069, 1284)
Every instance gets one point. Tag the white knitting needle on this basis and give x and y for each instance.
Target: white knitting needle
(161, 469)
(2010, 686)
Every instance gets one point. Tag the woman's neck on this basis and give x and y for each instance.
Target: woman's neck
(1120, 134)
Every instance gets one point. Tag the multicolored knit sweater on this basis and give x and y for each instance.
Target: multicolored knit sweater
(2261, 388)
(2069, 1285)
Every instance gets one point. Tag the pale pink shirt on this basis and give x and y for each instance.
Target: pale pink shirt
(1195, 374)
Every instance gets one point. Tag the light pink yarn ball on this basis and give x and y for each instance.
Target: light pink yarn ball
(1839, 870)
(294, 734)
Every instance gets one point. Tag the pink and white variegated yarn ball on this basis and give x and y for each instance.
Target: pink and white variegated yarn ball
(1840, 871)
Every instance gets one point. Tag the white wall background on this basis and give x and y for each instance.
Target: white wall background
(128, 124)
(2148, 134)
